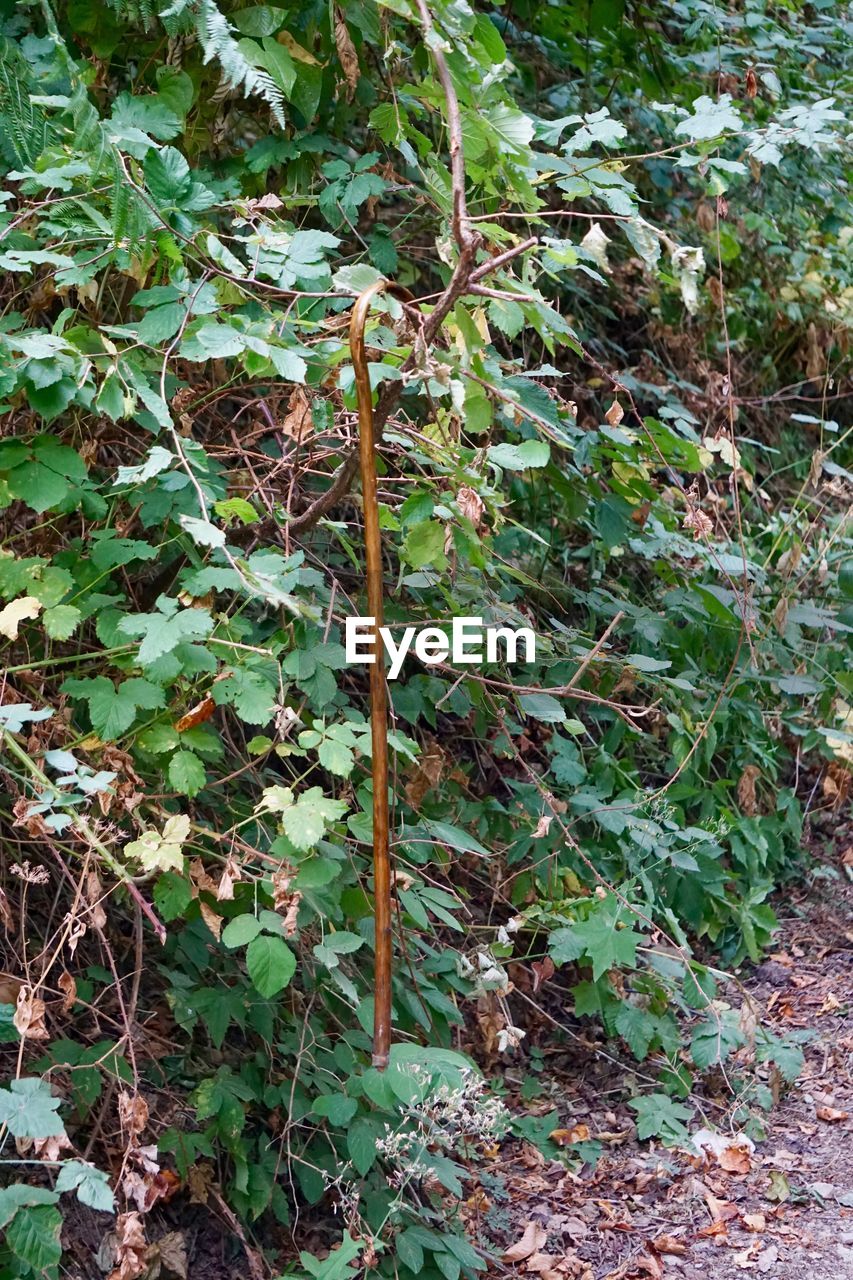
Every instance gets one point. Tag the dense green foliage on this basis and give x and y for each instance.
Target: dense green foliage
(636, 424)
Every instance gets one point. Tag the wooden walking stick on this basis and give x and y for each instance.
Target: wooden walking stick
(378, 690)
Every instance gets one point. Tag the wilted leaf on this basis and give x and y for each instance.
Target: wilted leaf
(530, 1242)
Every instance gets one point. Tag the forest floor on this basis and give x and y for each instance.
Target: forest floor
(782, 1209)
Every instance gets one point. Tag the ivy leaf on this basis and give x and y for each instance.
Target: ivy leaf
(271, 964)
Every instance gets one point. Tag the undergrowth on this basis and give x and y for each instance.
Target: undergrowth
(630, 433)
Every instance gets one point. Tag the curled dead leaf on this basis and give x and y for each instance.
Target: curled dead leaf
(529, 1243)
(28, 1019)
(667, 1244)
(132, 1112)
(746, 796)
(831, 1115)
(298, 424)
(128, 1247)
(347, 55)
(565, 1137)
(542, 971)
(211, 919)
(471, 505)
(231, 875)
(68, 987)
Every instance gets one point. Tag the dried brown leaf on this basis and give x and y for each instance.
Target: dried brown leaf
(29, 1016)
(68, 987)
(531, 1242)
(831, 1115)
(347, 55)
(471, 505)
(132, 1112)
(298, 423)
(172, 1251)
(746, 795)
(129, 1247)
(211, 919)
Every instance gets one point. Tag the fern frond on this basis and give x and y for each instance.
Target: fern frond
(24, 128)
(138, 11)
(214, 33)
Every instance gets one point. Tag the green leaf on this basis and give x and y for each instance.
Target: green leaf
(713, 1041)
(409, 1251)
(158, 851)
(33, 1236)
(251, 695)
(337, 757)
(28, 1109)
(518, 457)
(20, 1196)
(336, 1107)
(271, 964)
(338, 1265)
(305, 821)
(113, 710)
(659, 1117)
(61, 621)
(424, 544)
(710, 118)
(164, 630)
(186, 773)
(92, 1185)
(167, 176)
(542, 706)
(607, 941)
(636, 1027)
(172, 895)
(240, 931)
(202, 532)
(361, 1143)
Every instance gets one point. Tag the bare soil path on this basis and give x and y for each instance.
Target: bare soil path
(783, 1210)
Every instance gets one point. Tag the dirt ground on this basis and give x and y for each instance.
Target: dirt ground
(783, 1210)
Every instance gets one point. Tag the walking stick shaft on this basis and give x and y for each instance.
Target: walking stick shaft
(378, 689)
